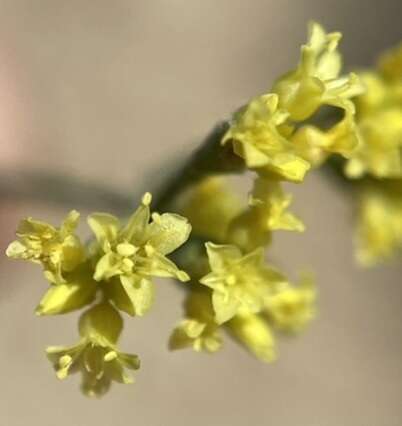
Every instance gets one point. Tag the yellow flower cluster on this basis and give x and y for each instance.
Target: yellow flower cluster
(276, 137)
(377, 163)
(239, 292)
(274, 133)
(233, 289)
(379, 228)
(119, 265)
(379, 118)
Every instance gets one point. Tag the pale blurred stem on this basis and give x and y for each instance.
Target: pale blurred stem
(210, 158)
(62, 190)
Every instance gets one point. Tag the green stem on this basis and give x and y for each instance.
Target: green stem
(210, 158)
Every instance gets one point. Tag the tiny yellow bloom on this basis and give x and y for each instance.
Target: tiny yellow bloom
(390, 63)
(315, 145)
(252, 331)
(267, 212)
(379, 119)
(129, 256)
(266, 133)
(199, 329)
(256, 137)
(292, 308)
(58, 250)
(316, 82)
(209, 207)
(95, 355)
(380, 151)
(379, 227)
(238, 281)
(78, 290)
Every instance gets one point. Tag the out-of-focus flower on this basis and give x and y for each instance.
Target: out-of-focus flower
(379, 119)
(390, 64)
(252, 331)
(293, 307)
(379, 227)
(58, 250)
(238, 281)
(257, 138)
(95, 356)
(267, 212)
(210, 207)
(199, 329)
(128, 256)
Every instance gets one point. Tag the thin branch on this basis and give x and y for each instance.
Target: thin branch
(62, 190)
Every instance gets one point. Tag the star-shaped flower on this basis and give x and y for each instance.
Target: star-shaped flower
(129, 256)
(238, 282)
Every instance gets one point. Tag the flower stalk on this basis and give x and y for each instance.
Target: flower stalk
(214, 241)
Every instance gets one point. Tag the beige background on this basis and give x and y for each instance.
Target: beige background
(104, 90)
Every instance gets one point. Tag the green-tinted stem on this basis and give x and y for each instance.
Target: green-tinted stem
(210, 158)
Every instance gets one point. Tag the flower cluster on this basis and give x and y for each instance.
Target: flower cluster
(118, 265)
(274, 133)
(276, 136)
(376, 166)
(233, 289)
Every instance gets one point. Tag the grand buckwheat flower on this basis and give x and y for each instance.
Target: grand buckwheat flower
(95, 356)
(292, 308)
(128, 256)
(267, 212)
(379, 118)
(390, 64)
(252, 331)
(316, 145)
(58, 250)
(265, 132)
(258, 138)
(210, 207)
(199, 329)
(379, 228)
(316, 80)
(380, 152)
(238, 282)
(78, 290)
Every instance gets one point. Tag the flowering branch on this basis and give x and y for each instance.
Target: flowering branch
(232, 289)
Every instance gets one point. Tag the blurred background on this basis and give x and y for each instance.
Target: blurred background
(97, 94)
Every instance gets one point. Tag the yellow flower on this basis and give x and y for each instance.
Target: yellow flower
(210, 207)
(379, 118)
(380, 151)
(95, 355)
(254, 333)
(390, 63)
(256, 137)
(315, 145)
(292, 308)
(379, 228)
(238, 282)
(266, 133)
(58, 250)
(78, 290)
(267, 212)
(199, 329)
(316, 80)
(128, 256)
